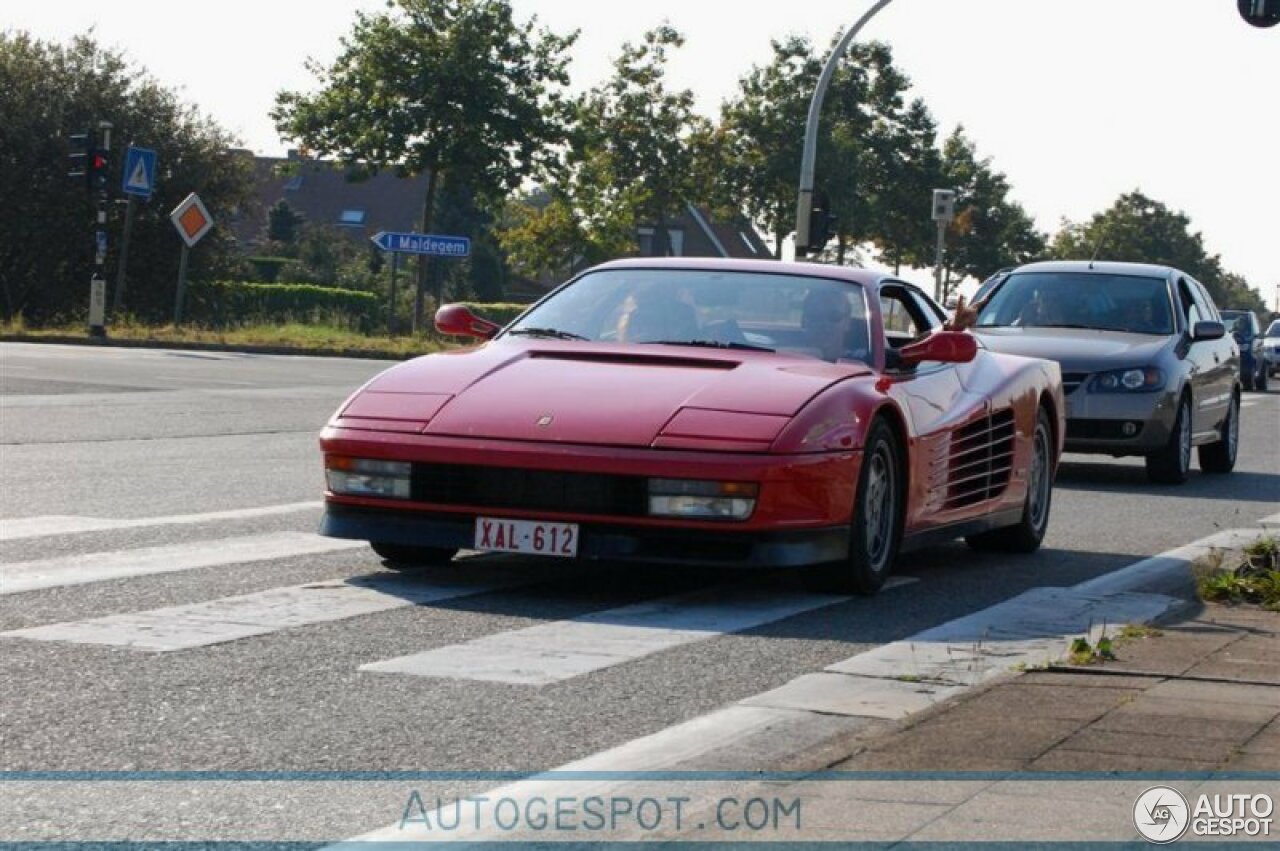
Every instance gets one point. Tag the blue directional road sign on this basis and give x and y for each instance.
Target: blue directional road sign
(424, 243)
(140, 172)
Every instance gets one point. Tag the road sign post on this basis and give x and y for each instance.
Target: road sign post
(137, 181)
(192, 221)
(423, 245)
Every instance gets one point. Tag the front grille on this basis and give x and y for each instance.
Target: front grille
(531, 490)
(1103, 429)
(980, 460)
(1071, 381)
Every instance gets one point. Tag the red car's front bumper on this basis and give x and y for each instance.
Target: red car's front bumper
(802, 512)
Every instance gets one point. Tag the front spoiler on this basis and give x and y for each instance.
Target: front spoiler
(601, 542)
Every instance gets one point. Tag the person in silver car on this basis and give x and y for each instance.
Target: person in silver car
(1147, 365)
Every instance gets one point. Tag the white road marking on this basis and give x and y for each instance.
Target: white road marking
(554, 652)
(233, 618)
(57, 524)
(98, 567)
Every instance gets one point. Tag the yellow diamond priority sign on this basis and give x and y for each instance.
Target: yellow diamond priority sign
(191, 219)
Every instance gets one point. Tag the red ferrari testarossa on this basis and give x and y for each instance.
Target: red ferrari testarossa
(718, 412)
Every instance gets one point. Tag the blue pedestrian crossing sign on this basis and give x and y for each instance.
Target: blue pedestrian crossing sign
(140, 172)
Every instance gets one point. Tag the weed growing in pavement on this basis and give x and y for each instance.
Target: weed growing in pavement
(1138, 631)
(1251, 576)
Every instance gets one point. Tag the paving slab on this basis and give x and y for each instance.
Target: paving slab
(1252, 659)
(1155, 744)
(1066, 759)
(1131, 719)
(1265, 697)
(1034, 700)
(839, 694)
(994, 815)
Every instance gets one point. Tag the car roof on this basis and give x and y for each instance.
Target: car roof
(866, 277)
(1100, 267)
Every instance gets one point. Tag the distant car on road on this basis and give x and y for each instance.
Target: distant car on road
(1147, 366)
(1247, 330)
(1271, 348)
(735, 413)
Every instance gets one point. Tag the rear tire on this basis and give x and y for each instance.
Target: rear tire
(1247, 381)
(877, 520)
(402, 558)
(1263, 381)
(1220, 458)
(1172, 464)
(1026, 535)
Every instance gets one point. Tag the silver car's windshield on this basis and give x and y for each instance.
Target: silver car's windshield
(711, 308)
(1274, 329)
(1129, 303)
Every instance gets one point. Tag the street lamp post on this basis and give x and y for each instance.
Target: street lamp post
(804, 205)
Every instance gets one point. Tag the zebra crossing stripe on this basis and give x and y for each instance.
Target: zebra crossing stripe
(553, 652)
(20, 577)
(36, 527)
(233, 618)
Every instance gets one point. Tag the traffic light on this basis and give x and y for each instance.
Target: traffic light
(821, 222)
(1260, 13)
(99, 165)
(81, 149)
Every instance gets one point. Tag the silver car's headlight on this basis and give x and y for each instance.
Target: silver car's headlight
(1144, 380)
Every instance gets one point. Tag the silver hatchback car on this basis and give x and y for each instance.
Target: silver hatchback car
(1147, 366)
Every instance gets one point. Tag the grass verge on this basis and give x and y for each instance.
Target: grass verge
(295, 336)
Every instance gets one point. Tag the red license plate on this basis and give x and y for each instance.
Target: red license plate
(531, 537)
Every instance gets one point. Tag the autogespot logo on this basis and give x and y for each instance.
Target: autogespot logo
(1161, 815)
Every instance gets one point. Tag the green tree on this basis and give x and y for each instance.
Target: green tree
(1139, 229)
(442, 87)
(990, 231)
(636, 133)
(283, 223)
(50, 90)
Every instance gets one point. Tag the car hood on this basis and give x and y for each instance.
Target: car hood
(602, 394)
(1077, 349)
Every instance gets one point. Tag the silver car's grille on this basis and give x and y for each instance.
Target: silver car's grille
(1071, 381)
(980, 460)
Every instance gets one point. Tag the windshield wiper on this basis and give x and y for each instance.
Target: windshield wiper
(710, 344)
(552, 333)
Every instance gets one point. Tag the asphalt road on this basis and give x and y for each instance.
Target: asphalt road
(154, 440)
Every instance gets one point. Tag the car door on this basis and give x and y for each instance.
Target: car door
(1205, 358)
(932, 395)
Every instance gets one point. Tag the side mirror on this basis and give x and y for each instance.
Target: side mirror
(1208, 331)
(941, 346)
(457, 320)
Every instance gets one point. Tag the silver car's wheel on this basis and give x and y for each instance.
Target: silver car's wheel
(1220, 457)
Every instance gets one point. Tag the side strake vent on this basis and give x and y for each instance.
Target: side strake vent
(980, 461)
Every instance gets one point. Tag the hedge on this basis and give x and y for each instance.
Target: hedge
(223, 304)
(500, 312)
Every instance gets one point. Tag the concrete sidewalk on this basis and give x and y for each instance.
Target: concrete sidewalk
(1200, 695)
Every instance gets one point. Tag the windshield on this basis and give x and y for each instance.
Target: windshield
(1134, 304)
(1274, 329)
(707, 308)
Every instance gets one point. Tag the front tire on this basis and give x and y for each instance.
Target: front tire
(408, 559)
(1263, 381)
(1172, 464)
(1026, 535)
(1220, 458)
(877, 520)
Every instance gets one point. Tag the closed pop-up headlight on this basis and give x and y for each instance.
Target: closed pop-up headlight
(702, 500)
(368, 477)
(1145, 380)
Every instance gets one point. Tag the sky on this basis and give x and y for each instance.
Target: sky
(1075, 101)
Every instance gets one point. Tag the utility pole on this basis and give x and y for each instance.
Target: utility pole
(944, 210)
(99, 166)
(804, 204)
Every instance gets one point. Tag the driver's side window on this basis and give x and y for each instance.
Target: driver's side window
(904, 321)
(1190, 309)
